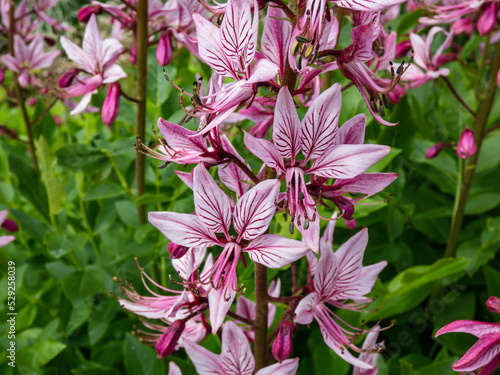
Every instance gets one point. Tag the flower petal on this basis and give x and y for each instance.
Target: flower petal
(287, 367)
(275, 251)
(304, 312)
(319, 126)
(353, 131)
(255, 210)
(286, 125)
(265, 151)
(348, 161)
(236, 355)
(206, 362)
(476, 328)
(480, 354)
(212, 205)
(183, 229)
(235, 28)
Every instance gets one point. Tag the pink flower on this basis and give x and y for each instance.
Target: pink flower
(485, 353)
(339, 277)
(236, 356)
(27, 59)
(97, 59)
(422, 56)
(214, 214)
(434, 150)
(4, 240)
(317, 136)
(111, 103)
(466, 145)
(371, 354)
(365, 5)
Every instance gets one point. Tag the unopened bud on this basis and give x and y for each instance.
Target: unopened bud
(350, 224)
(176, 251)
(85, 13)
(32, 101)
(67, 77)
(10, 226)
(434, 150)
(167, 342)
(2, 74)
(164, 50)
(50, 41)
(283, 344)
(466, 145)
(488, 20)
(493, 304)
(111, 103)
(57, 119)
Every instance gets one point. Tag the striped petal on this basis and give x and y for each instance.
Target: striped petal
(255, 210)
(274, 251)
(286, 125)
(365, 5)
(235, 28)
(319, 126)
(212, 205)
(183, 229)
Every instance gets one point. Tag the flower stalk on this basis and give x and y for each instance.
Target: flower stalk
(142, 72)
(19, 95)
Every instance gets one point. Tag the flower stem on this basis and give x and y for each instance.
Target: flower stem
(457, 95)
(20, 99)
(260, 343)
(466, 174)
(142, 72)
(470, 170)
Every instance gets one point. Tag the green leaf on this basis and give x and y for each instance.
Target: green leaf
(34, 227)
(472, 45)
(60, 244)
(79, 315)
(80, 157)
(104, 191)
(152, 198)
(99, 325)
(30, 185)
(83, 285)
(26, 316)
(140, 359)
(97, 370)
(481, 202)
(158, 88)
(56, 193)
(33, 357)
(127, 211)
(413, 285)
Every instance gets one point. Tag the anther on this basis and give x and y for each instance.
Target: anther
(291, 227)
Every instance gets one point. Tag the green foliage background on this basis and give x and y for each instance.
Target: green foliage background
(79, 229)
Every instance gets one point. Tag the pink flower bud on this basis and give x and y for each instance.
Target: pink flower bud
(32, 101)
(10, 133)
(111, 103)
(44, 90)
(50, 41)
(167, 342)
(464, 25)
(176, 251)
(488, 20)
(283, 344)
(133, 53)
(67, 77)
(85, 13)
(493, 304)
(57, 119)
(10, 226)
(2, 74)
(350, 224)
(434, 150)
(164, 50)
(466, 145)
(402, 48)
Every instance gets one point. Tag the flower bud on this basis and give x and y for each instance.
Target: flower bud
(167, 342)
(10, 133)
(85, 13)
(164, 50)
(283, 344)
(57, 119)
(32, 102)
(67, 77)
(44, 90)
(50, 41)
(493, 304)
(111, 103)
(434, 150)
(176, 251)
(10, 226)
(463, 25)
(466, 145)
(2, 74)
(350, 224)
(488, 20)
(402, 48)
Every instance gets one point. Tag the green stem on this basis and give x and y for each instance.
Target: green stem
(142, 74)
(19, 95)
(470, 169)
(466, 173)
(123, 182)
